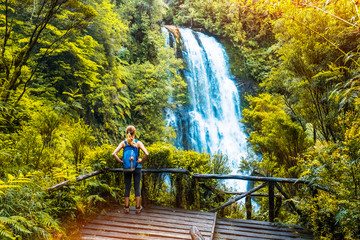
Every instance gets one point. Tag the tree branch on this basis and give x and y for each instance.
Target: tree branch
(47, 53)
(326, 39)
(6, 38)
(356, 8)
(317, 8)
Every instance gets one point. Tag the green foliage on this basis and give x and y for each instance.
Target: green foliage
(143, 17)
(26, 216)
(74, 74)
(244, 28)
(149, 89)
(336, 165)
(315, 50)
(314, 85)
(27, 44)
(274, 135)
(80, 140)
(239, 21)
(178, 189)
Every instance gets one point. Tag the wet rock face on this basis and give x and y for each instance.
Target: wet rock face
(174, 30)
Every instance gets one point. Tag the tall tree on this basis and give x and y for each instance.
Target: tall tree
(29, 34)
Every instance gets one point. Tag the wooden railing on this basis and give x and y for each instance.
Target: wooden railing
(270, 182)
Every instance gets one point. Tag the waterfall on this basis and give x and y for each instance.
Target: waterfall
(211, 122)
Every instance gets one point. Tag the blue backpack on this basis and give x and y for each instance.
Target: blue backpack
(130, 156)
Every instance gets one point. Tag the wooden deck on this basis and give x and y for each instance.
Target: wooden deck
(161, 223)
(239, 229)
(158, 223)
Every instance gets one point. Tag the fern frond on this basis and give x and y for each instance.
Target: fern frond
(45, 219)
(6, 233)
(16, 223)
(92, 199)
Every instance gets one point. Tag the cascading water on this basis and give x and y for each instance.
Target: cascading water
(212, 121)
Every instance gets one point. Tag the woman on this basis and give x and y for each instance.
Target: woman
(136, 174)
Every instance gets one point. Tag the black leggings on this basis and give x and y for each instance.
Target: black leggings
(127, 178)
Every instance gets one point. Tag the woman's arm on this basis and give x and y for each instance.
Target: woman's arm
(117, 150)
(146, 154)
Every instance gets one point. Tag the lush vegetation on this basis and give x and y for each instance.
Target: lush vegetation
(303, 57)
(74, 74)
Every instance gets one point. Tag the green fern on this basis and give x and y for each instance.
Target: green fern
(16, 223)
(93, 199)
(45, 219)
(6, 233)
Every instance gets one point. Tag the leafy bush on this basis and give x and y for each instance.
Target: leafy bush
(336, 165)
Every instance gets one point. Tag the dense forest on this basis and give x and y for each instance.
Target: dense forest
(75, 73)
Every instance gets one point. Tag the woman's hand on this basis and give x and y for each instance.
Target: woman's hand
(139, 160)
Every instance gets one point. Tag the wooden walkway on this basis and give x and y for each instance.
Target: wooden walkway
(161, 223)
(255, 230)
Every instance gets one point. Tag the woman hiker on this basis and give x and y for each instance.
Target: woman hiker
(132, 165)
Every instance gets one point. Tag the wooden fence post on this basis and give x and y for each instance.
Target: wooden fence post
(248, 207)
(271, 202)
(197, 194)
(180, 192)
(278, 203)
(183, 195)
(144, 197)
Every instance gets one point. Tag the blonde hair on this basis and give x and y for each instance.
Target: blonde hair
(130, 135)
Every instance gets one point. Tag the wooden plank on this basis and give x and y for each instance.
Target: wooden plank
(93, 237)
(257, 226)
(239, 226)
(281, 225)
(259, 234)
(174, 212)
(232, 237)
(213, 228)
(163, 218)
(152, 223)
(219, 236)
(221, 228)
(135, 231)
(181, 214)
(115, 235)
(183, 210)
(140, 225)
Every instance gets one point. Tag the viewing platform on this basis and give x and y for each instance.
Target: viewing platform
(163, 223)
